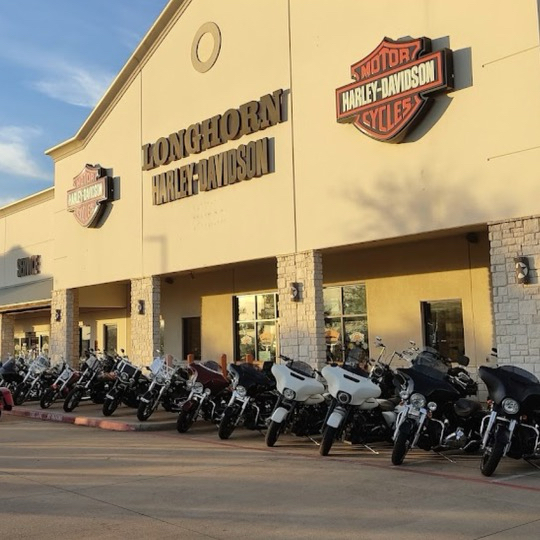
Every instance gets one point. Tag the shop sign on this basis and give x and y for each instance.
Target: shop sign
(90, 193)
(246, 161)
(29, 266)
(393, 86)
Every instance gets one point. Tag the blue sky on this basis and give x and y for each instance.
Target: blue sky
(57, 58)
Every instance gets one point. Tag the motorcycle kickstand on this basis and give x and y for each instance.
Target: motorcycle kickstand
(372, 450)
(532, 464)
(445, 457)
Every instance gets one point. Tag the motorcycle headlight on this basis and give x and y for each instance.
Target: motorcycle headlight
(241, 391)
(160, 379)
(344, 398)
(289, 394)
(207, 391)
(418, 401)
(198, 387)
(404, 394)
(124, 377)
(510, 406)
(432, 406)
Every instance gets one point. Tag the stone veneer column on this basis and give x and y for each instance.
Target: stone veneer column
(145, 339)
(64, 339)
(7, 335)
(516, 307)
(301, 323)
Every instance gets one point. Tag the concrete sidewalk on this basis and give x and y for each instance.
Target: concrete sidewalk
(89, 414)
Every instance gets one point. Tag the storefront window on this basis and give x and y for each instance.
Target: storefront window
(256, 322)
(111, 338)
(346, 328)
(443, 327)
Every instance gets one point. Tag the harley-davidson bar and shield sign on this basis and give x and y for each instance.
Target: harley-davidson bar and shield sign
(91, 191)
(392, 87)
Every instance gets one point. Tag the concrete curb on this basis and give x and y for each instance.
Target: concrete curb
(88, 421)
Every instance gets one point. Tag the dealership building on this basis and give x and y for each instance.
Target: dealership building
(292, 177)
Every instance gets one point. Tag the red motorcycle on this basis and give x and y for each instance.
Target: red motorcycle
(6, 400)
(208, 395)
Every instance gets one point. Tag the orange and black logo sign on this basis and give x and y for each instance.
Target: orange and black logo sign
(392, 87)
(87, 199)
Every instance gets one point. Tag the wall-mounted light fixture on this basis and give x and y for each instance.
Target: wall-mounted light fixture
(57, 315)
(140, 307)
(295, 292)
(522, 270)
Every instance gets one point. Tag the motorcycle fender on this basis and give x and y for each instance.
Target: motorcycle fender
(407, 427)
(188, 405)
(279, 415)
(335, 419)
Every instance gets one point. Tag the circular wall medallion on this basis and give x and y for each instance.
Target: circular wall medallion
(206, 47)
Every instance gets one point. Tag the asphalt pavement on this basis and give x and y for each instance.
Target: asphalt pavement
(64, 479)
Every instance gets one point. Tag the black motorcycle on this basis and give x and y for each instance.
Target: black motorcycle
(433, 415)
(38, 377)
(93, 383)
(513, 426)
(12, 372)
(253, 398)
(129, 384)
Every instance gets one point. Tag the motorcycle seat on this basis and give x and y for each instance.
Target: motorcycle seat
(386, 405)
(466, 407)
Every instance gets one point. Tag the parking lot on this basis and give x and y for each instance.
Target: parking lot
(63, 480)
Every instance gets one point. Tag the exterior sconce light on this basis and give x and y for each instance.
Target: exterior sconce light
(140, 307)
(57, 315)
(522, 270)
(295, 292)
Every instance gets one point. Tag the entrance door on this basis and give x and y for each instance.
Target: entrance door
(191, 332)
(443, 327)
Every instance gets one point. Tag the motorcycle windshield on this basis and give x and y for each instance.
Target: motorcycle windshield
(207, 375)
(249, 376)
(8, 367)
(431, 382)
(510, 381)
(301, 367)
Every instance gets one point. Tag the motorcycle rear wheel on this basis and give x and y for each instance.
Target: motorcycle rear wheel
(185, 419)
(272, 434)
(401, 447)
(492, 456)
(48, 398)
(72, 399)
(227, 424)
(109, 406)
(329, 434)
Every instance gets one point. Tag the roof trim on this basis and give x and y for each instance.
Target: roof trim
(26, 306)
(27, 202)
(131, 69)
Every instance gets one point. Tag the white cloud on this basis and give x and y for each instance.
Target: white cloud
(15, 156)
(73, 84)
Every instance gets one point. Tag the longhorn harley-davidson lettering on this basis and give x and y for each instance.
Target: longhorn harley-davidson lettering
(393, 86)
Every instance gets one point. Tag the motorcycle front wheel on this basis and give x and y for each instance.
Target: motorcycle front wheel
(72, 399)
(48, 398)
(401, 447)
(272, 434)
(109, 406)
(227, 424)
(186, 419)
(145, 410)
(329, 434)
(21, 393)
(492, 455)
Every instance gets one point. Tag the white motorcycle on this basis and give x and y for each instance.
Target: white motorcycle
(355, 414)
(302, 406)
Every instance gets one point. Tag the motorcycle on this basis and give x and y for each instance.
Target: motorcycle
(6, 400)
(60, 387)
(355, 413)
(433, 415)
(129, 384)
(302, 406)
(167, 386)
(12, 372)
(93, 383)
(512, 428)
(252, 401)
(207, 398)
(37, 378)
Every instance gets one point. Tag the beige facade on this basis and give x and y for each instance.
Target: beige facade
(324, 205)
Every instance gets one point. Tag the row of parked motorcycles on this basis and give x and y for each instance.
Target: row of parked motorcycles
(429, 402)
